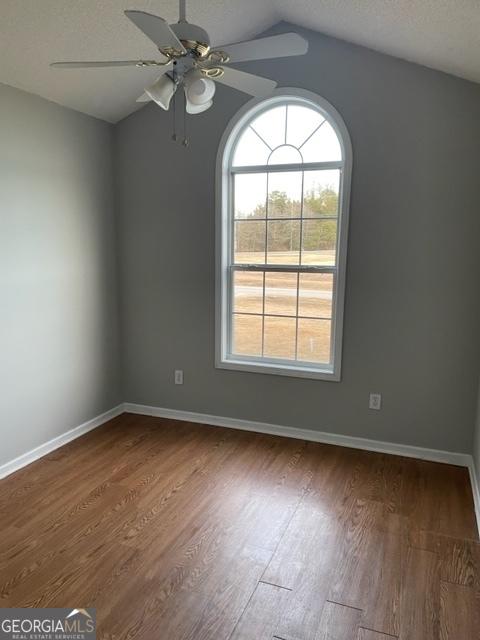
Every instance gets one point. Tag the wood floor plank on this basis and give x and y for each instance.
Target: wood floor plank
(382, 481)
(192, 564)
(305, 561)
(42, 481)
(295, 559)
(100, 524)
(72, 482)
(185, 532)
(228, 594)
(444, 502)
(261, 615)
(459, 559)
(369, 573)
(28, 573)
(420, 598)
(459, 613)
(368, 634)
(338, 622)
(219, 593)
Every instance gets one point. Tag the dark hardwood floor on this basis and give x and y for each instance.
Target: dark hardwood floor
(178, 531)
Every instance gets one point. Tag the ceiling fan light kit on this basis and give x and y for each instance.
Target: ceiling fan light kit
(190, 61)
(199, 91)
(197, 108)
(161, 92)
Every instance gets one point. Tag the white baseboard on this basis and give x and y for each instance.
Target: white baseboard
(475, 480)
(42, 450)
(449, 457)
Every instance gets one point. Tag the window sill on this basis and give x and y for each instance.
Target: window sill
(291, 370)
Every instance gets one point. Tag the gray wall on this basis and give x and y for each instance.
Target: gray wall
(412, 305)
(58, 289)
(412, 308)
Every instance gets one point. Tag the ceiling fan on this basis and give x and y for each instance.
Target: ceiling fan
(190, 61)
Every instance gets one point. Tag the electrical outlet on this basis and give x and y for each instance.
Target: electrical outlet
(178, 376)
(375, 401)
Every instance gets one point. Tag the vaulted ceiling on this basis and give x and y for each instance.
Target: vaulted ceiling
(442, 34)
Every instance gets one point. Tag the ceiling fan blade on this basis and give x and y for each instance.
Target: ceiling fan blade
(281, 46)
(155, 28)
(105, 63)
(246, 82)
(143, 98)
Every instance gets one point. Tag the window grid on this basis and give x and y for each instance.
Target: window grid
(286, 219)
(290, 268)
(296, 315)
(265, 260)
(259, 136)
(279, 315)
(319, 219)
(285, 143)
(285, 246)
(312, 134)
(293, 316)
(286, 125)
(266, 223)
(256, 266)
(299, 259)
(279, 168)
(263, 314)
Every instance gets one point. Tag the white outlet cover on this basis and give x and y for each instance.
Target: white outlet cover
(375, 401)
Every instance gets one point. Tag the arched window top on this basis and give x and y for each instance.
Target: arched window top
(295, 132)
(283, 187)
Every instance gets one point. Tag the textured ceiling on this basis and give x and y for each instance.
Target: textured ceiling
(442, 34)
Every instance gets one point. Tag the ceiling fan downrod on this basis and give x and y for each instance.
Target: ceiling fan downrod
(182, 11)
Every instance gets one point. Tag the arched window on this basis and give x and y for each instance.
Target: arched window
(283, 180)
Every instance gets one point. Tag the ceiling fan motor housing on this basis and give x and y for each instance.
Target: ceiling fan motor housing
(193, 38)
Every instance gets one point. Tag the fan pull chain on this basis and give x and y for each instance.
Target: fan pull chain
(174, 134)
(185, 138)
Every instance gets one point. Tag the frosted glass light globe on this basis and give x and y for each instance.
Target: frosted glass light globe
(162, 91)
(199, 90)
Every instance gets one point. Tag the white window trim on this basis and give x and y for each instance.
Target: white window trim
(223, 230)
